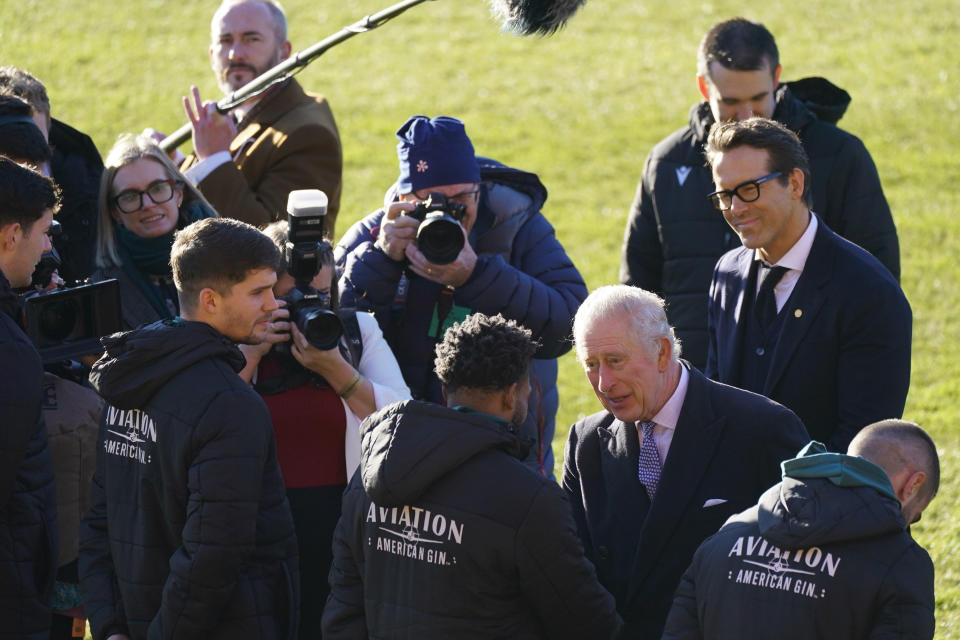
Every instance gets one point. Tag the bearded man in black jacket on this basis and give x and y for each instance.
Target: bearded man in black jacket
(28, 553)
(444, 532)
(674, 237)
(189, 533)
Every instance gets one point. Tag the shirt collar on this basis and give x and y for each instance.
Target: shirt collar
(796, 257)
(670, 412)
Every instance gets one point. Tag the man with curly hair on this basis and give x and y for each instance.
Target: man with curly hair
(445, 532)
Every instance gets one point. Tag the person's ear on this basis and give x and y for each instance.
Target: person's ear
(797, 184)
(665, 350)
(776, 77)
(10, 234)
(285, 49)
(911, 486)
(704, 87)
(509, 398)
(209, 301)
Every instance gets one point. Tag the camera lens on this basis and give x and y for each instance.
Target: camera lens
(440, 239)
(321, 327)
(58, 320)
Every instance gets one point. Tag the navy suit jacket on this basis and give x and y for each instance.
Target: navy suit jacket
(842, 360)
(727, 446)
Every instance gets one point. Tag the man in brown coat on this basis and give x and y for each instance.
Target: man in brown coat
(247, 162)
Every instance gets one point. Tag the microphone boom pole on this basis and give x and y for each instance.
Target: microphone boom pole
(297, 61)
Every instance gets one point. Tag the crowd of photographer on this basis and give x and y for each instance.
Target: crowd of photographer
(302, 441)
(317, 394)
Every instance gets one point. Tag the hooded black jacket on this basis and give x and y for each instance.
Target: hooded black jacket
(28, 502)
(813, 560)
(189, 534)
(446, 534)
(674, 237)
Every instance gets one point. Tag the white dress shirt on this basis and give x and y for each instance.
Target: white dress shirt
(666, 418)
(794, 260)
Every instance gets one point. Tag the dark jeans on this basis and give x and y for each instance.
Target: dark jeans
(315, 513)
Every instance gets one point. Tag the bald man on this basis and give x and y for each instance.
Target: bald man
(826, 553)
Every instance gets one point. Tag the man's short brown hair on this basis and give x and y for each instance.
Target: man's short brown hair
(784, 150)
(217, 253)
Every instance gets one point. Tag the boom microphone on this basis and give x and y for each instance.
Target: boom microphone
(529, 17)
(524, 17)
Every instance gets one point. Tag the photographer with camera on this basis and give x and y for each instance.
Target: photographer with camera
(28, 555)
(321, 371)
(506, 260)
(143, 200)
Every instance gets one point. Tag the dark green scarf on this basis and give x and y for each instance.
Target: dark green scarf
(145, 257)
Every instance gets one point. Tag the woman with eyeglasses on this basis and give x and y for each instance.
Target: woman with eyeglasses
(143, 200)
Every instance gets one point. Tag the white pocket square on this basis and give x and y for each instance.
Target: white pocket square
(712, 502)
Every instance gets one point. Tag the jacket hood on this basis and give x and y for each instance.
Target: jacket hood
(138, 363)
(828, 497)
(407, 446)
(799, 102)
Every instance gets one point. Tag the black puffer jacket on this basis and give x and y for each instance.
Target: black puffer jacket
(818, 557)
(446, 534)
(28, 502)
(189, 533)
(674, 237)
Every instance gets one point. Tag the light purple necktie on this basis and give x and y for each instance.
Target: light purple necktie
(649, 470)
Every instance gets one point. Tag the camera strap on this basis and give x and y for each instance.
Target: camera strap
(352, 335)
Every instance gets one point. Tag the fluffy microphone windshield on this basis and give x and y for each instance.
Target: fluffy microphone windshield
(529, 17)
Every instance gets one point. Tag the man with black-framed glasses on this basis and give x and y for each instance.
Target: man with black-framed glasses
(799, 314)
(673, 239)
(504, 258)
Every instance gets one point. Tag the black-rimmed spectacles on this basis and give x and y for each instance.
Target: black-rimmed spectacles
(747, 192)
(159, 191)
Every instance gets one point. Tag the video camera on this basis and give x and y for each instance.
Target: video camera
(68, 322)
(439, 236)
(309, 309)
(65, 324)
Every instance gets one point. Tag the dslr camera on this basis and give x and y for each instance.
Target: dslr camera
(439, 236)
(309, 309)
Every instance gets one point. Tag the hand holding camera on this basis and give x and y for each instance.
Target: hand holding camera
(430, 235)
(325, 362)
(397, 230)
(453, 274)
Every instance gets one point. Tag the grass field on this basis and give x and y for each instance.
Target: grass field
(581, 109)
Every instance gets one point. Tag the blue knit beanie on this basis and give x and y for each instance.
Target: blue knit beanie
(433, 153)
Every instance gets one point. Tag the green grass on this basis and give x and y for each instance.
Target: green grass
(582, 109)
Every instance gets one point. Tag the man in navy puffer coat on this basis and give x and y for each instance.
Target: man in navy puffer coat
(512, 264)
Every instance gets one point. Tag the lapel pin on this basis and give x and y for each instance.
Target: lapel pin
(797, 313)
